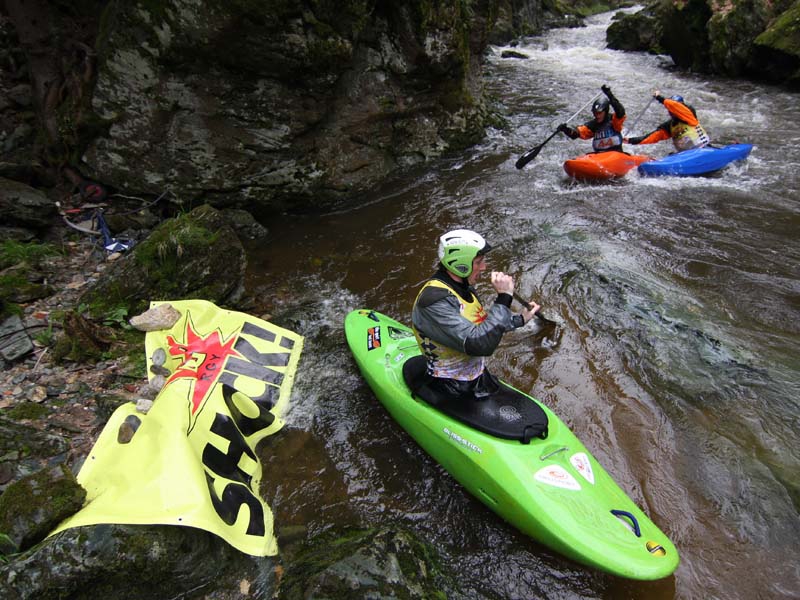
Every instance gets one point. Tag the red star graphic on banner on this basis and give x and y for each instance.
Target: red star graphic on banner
(203, 360)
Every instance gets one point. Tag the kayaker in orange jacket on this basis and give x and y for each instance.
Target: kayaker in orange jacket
(683, 127)
(605, 130)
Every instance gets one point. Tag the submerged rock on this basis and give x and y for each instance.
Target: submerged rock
(382, 563)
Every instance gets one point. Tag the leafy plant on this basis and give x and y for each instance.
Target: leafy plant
(117, 318)
(13, 252)
(46, 337)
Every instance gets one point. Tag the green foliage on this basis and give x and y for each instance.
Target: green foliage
(46, 337)
(13, 252)
(10, 281)
(117, 318)
(8, 308)
(136, 362)
(28, 410)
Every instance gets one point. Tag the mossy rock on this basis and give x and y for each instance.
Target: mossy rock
(132, 562)
(33, 506)
(195, 255)
(25, 441)
(375, 563)
(777, 50)
(640, 31)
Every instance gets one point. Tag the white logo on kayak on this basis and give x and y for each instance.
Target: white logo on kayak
(509, 413)
(457, 438)
(581, 463)
(557, 476)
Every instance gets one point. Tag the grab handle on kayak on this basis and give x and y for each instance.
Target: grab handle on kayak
(625, 513)
(556, 451)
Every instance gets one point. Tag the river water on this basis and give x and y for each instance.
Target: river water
(676, 355)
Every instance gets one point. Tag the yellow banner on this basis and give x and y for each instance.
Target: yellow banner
(192, 460)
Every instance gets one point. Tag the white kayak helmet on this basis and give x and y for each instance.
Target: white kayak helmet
(458, 248)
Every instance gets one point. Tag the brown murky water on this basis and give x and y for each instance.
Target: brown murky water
(676, 358)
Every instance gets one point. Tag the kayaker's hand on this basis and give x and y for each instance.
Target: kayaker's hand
(503, 284)
(606, 90)
(528, 314)
(563, 128)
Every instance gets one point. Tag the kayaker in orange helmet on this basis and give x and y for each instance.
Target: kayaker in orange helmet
(605, 130)
(683, 127)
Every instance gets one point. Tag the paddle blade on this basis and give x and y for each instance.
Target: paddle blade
(528, 156)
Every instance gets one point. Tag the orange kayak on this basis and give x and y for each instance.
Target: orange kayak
(598, 166)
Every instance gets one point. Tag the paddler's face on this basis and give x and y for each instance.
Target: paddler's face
(600, 116)
(478, 267)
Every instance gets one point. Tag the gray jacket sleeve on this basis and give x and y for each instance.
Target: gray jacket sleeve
(442, 322)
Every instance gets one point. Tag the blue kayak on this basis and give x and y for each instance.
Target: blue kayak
(699, 161)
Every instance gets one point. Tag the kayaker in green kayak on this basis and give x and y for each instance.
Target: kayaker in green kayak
(453, 329)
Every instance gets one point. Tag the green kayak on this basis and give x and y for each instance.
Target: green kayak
(551, 489)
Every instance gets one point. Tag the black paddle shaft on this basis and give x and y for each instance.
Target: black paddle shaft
(533, 152)
(527, 305)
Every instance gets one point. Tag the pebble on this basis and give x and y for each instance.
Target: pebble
(143, 405)
(38, 394)
(163, 316)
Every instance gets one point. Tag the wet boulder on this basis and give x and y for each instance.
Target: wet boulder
(639, 31)
(278, 105)
(125, 562)
(380, 563)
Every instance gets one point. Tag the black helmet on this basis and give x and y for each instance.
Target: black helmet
(600, 105)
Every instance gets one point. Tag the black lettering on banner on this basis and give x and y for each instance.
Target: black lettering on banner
(234, 496)
(247, 425)
(265, 334)
(267, 399)
(256, 364)
(226, 464)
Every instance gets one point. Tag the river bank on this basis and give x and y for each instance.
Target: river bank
(70, 399)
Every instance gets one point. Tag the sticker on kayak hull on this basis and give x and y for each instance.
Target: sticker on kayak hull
(557, 476)
(373, 337)
(581, 463)
(460, 440)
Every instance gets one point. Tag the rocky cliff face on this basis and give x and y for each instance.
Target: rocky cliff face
(272, 103)
(268, 105)
(758, 39)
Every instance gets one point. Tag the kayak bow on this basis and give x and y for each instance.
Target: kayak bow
(600, 166)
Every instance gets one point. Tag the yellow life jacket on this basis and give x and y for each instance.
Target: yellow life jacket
(447, 362)
(686, 137)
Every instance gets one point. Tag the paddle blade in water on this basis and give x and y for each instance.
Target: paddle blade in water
(528, 156)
